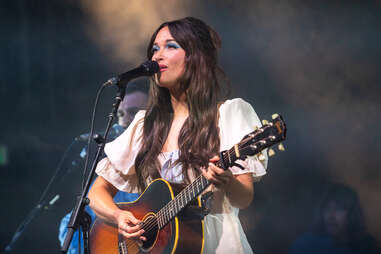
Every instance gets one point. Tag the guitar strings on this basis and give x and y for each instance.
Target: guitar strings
(182, 194)
(172, 204)
(166, 211)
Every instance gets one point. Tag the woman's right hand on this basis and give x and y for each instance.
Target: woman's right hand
(129, 226)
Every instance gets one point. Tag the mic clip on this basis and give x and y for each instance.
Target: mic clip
(111, 82)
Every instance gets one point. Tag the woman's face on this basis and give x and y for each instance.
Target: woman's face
(335, 219)
(170, 57)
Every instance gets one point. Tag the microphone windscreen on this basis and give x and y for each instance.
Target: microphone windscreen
(151, 67)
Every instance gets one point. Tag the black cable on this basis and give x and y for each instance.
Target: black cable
(40, 203)
(100, 90)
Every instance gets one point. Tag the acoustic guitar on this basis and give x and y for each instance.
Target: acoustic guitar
(162, 209)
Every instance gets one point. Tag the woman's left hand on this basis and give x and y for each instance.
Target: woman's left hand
(217, 176)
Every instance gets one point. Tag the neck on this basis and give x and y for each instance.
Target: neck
(179, 103)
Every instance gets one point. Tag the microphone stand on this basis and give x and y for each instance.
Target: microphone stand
(43, 204)
(79, 217)
(32, 214)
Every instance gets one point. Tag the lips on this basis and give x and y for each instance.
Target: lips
(163, 67)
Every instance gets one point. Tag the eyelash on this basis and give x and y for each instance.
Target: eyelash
(155, 48)
(169, 45)
(172, 45)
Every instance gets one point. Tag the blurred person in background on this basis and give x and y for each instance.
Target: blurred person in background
(339, 227)
(134, 100)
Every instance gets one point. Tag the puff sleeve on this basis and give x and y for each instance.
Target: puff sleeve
(118, 167)
(237, 119)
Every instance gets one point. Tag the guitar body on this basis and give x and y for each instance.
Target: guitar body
(181, 235)
(171, 223)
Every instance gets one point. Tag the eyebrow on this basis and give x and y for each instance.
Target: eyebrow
(166, 41)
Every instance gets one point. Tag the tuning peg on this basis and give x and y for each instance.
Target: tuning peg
(261, 157)
(274, 116)
(271, 152)
(281, 147)
(264, 122)
(256, 128)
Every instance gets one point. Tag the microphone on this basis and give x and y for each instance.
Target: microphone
(115, 131)
(148, 68)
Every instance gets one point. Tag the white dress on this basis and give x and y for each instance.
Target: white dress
(222, 229)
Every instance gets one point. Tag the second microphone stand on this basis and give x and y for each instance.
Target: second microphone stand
(79, 217)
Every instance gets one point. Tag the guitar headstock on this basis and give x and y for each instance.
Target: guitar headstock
(271, 133)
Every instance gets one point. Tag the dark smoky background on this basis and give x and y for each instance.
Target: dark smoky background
(315, 62)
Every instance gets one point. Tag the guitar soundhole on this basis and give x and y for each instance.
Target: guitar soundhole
(151, 230)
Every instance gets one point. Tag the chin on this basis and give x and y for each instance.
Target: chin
(166, 84)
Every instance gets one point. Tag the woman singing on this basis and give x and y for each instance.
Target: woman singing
(179, 137)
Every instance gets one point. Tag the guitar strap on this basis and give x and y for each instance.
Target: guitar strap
(206, 202)
(196, 212)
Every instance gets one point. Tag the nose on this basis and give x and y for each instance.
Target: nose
(120, 113)
(158, 55)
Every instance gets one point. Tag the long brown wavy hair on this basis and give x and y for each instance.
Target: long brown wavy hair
(199, 136)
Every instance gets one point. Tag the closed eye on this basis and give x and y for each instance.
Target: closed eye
(172, 45)
(155, 48)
